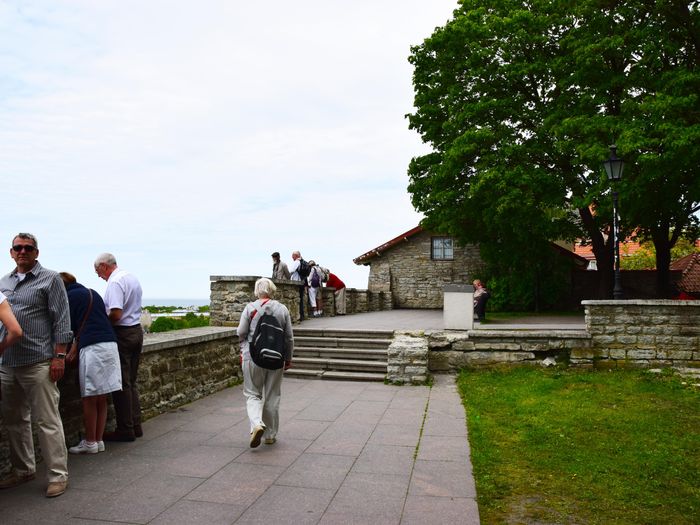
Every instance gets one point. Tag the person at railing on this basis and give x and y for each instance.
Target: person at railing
(335, 282)
(95, 350)
(279, 268)
(123, 306)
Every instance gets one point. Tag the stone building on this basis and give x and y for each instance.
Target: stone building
(414, 266)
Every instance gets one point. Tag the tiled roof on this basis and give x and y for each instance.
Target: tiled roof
(690, 280)
(376, 252)
(627, 248)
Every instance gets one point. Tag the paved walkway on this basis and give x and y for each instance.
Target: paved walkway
(347, 453)
(433, 320)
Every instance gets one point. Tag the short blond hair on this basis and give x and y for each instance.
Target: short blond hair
(264, 287)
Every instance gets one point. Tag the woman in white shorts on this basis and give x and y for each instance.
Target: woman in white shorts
(98, 366)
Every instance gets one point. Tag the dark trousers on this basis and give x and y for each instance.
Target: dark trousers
(127, 406)
(302, 300)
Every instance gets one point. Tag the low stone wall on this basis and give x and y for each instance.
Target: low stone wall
(408, 359)
(638, 333)
(641, 333)
(230, 295)
(450, 351)
(176, 368)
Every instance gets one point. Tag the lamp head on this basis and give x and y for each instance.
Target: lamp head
(614, 166)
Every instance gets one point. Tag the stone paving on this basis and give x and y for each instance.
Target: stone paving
(414, 319)
(346, 453)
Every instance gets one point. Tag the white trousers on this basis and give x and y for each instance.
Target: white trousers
(28, 393)
(313, 294)
(262, 389)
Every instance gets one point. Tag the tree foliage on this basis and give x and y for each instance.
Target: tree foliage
(519, 101)
(645, 257)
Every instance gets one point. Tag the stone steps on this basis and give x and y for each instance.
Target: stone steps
(353, 355)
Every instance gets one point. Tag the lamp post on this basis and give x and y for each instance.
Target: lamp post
(614, 167)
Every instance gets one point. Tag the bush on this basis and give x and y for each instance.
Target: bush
(166, 324)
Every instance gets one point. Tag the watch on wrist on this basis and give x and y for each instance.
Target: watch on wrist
(60, 356)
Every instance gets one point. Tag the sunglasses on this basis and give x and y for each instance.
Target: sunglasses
(26, 247)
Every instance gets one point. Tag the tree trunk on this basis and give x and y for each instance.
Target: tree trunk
(663, 244)
(603, 251)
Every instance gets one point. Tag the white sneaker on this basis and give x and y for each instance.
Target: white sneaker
(100, 446)
(85, 448)
(256, 435)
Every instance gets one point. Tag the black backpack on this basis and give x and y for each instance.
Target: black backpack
(304, 269)
(268, 345)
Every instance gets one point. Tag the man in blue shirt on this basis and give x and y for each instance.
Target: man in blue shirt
(32, 365)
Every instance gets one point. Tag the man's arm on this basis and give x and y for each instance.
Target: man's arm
(62, 334)
(115, 315)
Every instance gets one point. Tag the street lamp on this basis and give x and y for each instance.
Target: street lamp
(614, 167)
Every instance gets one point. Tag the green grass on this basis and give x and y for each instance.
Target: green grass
(564, 446)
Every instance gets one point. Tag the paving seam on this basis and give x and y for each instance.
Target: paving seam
(355, 461)
(415, 452)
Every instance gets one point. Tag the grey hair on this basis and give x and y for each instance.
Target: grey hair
(27, 236)
(264, 287)
(296, 252)
(105, 258)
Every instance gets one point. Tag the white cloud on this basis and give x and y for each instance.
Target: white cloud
(195, 138)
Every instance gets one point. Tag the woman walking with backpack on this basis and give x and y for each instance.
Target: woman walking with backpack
(274, 334)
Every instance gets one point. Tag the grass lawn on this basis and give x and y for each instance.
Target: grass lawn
(580, 447)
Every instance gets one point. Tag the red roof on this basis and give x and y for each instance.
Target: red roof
(376, 252)
(690, 279)
(362, 259)
(627, 248)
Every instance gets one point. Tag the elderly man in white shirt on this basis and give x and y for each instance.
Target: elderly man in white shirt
(123, 304)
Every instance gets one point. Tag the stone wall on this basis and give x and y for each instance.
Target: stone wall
(642, 333)
(414, 279)
(408, 359)
(176, 368)
(230, 295)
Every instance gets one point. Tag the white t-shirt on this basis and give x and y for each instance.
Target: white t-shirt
(294, 270)
(2, 297)
(124, 292)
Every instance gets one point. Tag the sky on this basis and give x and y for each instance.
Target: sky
(193, 139)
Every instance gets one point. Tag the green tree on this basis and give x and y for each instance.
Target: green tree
(645, 257)
(518, 101)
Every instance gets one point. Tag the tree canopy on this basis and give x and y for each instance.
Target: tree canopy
(519, 101)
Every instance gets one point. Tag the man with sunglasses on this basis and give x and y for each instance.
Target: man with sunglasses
(31, 366)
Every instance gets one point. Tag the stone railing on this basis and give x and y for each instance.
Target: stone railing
(643, 333)
(176, 368)
(636, 333)
(231, 294)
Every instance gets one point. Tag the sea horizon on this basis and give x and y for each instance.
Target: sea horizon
(147, 301)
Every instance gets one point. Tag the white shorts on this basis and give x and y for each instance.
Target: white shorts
(99, 369)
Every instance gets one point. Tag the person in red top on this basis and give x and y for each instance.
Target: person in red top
(335, 282)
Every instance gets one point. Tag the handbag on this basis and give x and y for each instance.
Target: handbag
(76, 337)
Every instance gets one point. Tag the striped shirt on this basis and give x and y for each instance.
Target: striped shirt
(40, 304)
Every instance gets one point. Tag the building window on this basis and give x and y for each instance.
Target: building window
(441, 249)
